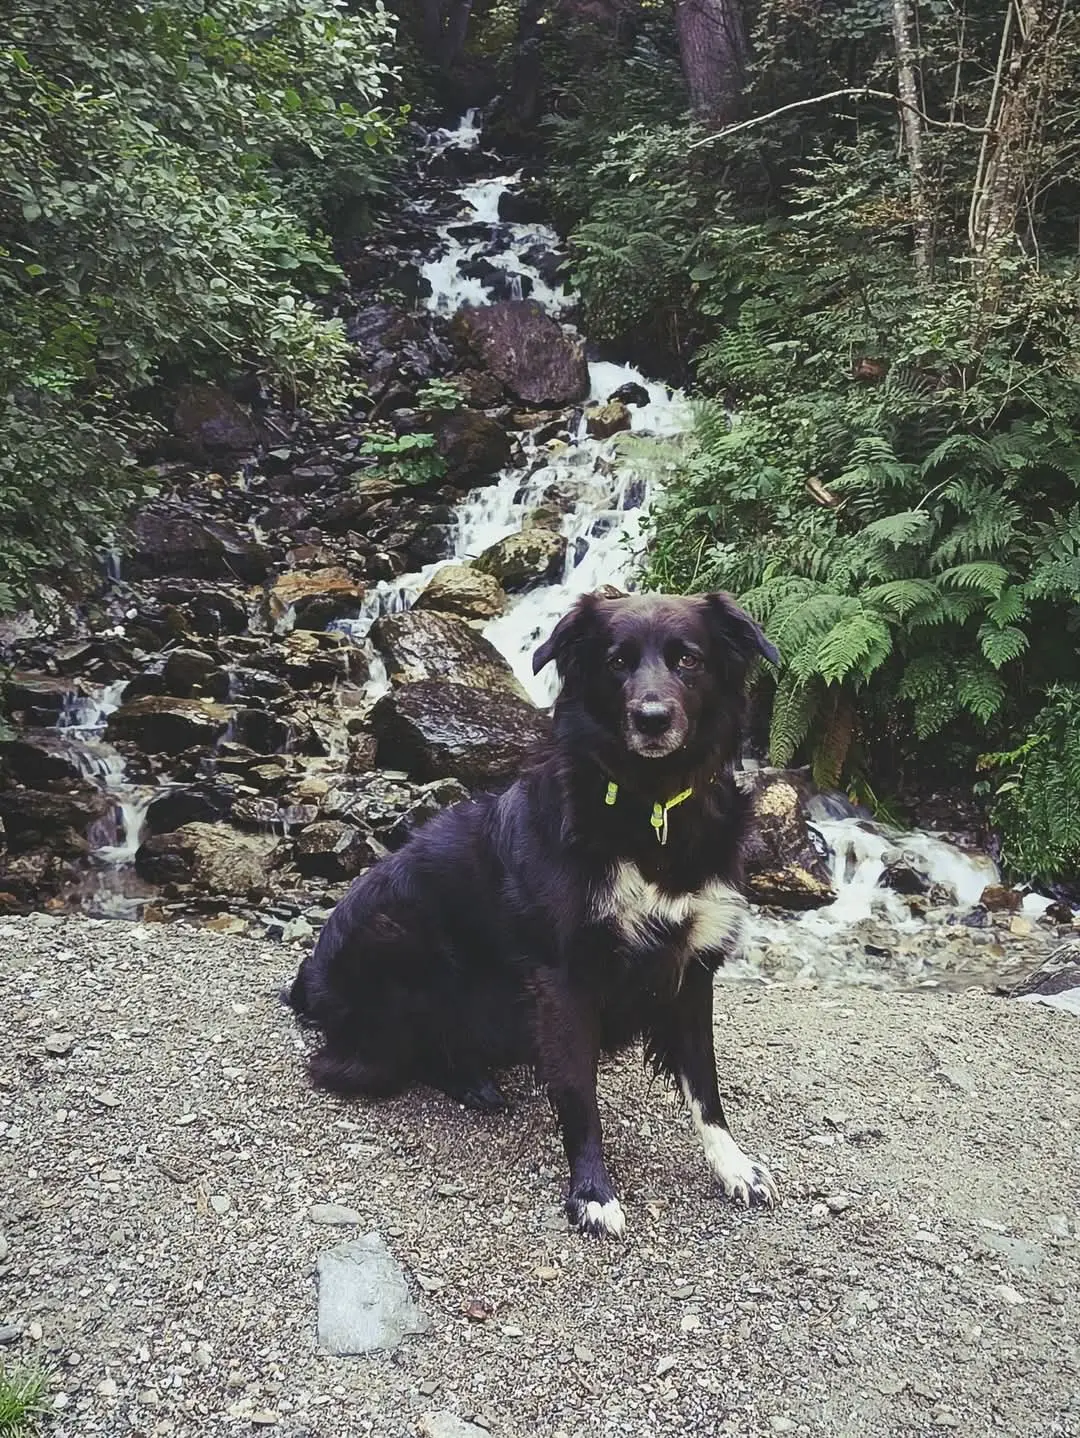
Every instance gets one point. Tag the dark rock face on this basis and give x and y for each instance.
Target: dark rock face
(390, 809)
(60, 816)
(439, 730)
(905, 874)
(332, 849)
(527, 350)
(421, 645)
(784, 866)
(1056, 982)
(211, 422)
(168, 540)
(474, 446)
(162, 724)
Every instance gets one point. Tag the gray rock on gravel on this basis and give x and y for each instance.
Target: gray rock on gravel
(448, 1425)
(364, 1303)
(334, 1215)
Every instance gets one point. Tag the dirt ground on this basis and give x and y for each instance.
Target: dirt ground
(156, 1246)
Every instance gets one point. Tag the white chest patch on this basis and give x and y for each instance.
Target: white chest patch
(714, 916)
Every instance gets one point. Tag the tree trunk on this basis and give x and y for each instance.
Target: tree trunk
(1029, 68)
(713, 49)
(444, 25)
(912, 124)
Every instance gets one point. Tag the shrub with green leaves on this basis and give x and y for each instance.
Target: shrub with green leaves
(164, 170)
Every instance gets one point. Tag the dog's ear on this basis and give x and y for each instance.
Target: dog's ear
(571, 629)
(734, 628)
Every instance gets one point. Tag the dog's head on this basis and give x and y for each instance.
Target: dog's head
(662, 676)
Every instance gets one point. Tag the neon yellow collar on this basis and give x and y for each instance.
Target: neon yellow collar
(659, 817)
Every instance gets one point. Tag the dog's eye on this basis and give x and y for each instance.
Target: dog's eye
(689, 661)
(619, 663)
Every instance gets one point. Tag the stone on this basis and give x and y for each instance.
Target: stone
(784, 866)
(464, 592)
(332, 849)
(220, 1203)
(42, 698)
(333, 1215)
(1056, 981)
(313, 598)
(167, 538)
(187, 804)
(905, 873)
(997, 898)
(420, 645)
(165, 724)
(9, 1333)
(522, 560)
(4, 1250)
(534, 357)
(211, 422)
(189, 669)
(449, 1425)
(364, 1302)
(475, 447)
(441, 730)
(58, 1044)
(389, 808)
(630, 393)
(1019, 1254)
(61, 816)
(213, 857)
(42, 758)
(604, 420)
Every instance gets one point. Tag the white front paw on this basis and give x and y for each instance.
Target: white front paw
(741, 1177)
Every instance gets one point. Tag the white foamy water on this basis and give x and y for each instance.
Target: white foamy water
(111, 888)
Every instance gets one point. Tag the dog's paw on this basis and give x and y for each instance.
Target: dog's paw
(596, 1218)
(741, 1177)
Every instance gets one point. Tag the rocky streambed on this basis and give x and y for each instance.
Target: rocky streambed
(317, 635)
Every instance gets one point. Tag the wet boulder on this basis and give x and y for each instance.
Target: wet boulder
(39, 759)
(520, 561)
(785, 861)
(213, 858)
(43, 699)
(533, 356)
(437, 730)
(332, 849)
(390, 808)
(421, 645)
(177, 805)
(167, 539)
(190, 672)
(211, 423)
(165, 724)
(464, 592)
(474, 446)
(1055, 983)
(905, 873)
(60, 816)
(604, 420)
(313, 598)
(630, 393)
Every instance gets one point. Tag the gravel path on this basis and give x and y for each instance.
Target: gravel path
(157, 1174)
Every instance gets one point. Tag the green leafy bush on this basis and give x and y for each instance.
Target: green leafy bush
(163, 171)
(407, 458)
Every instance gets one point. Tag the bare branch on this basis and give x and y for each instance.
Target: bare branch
(862, 92)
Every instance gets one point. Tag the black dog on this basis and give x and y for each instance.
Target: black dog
(588, 905)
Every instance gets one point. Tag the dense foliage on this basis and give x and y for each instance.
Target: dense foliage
(880, 310)
(167, 175)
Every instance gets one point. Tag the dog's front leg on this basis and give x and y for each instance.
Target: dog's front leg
(568, 1049)
(687, 1048)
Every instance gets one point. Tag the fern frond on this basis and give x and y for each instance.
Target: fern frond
(860, 643)
(904, 527)
(794, 708)
(978, 574)
(979, 690)
(1002, 644)
(901, 596)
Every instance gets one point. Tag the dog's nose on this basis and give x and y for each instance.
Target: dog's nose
(652, 719)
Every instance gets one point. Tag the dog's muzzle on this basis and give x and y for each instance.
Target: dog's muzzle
(655, 728)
